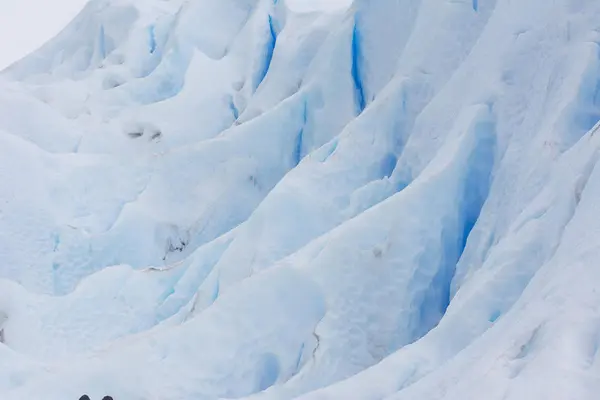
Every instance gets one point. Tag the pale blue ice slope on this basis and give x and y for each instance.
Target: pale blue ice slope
(270, 200)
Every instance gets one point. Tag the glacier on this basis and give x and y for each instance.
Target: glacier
(311, 200)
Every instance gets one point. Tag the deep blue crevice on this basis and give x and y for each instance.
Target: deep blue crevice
(468, 225)
(216, 291)
(152, 39)
(596, 94)
(437, 299)
(476, 186)
(477, 182)
(234, 109)
(269, 370)
(298, 153)
(400, 185)
(494, 316)
(586, 112)
(473, 193)
(590, 117)
(388, 165)
(356, 73)
(475, 5)
(268, 54)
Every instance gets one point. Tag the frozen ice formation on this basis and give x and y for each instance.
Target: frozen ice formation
(271, 200)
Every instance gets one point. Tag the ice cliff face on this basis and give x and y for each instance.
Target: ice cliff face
(224, 199)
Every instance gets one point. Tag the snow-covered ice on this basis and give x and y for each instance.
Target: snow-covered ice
(272, 200)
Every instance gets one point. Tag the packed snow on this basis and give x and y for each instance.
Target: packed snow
(276, 200)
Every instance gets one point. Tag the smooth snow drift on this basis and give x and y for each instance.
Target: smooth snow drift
(272, 200)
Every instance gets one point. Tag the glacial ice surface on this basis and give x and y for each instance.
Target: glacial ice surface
(271, 200)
